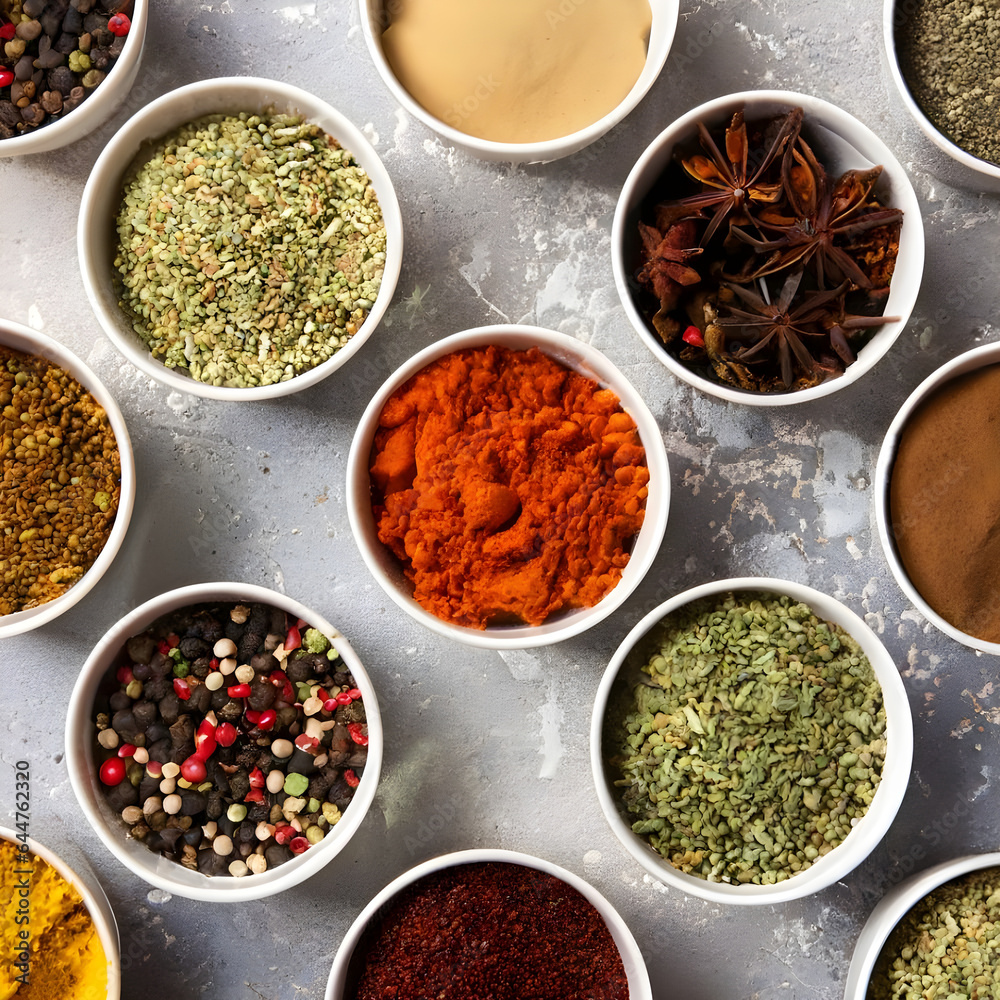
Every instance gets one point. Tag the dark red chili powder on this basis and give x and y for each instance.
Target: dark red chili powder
(490, 931)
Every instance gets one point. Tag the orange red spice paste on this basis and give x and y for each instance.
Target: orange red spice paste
(510, 487)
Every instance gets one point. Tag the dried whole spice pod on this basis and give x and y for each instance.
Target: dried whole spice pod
(758, 248)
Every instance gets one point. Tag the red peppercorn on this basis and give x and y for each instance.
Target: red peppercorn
(182, 688)
(344, 698)
(267, 719)
(119, 24)
(330, 705)
(123, 675)
(163, 647)
(357, 734)
(213, 664)
(284, 833)
(354, 693)
(304, 742)
(351, 778)
(225, 734)
(251, 716)
(294, 639)
(126, 750)
(7, 32)
(238, 691)
(113, 771)
(257, 779)
(194, 770)
(298, 844)
(6, 77)
(692, 335)
(173, 640)
(204, 740)
(154, 769)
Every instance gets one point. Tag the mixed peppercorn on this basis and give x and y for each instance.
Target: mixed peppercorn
(231, 738)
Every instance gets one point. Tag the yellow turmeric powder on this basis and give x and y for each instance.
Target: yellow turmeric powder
(51, 950)
(510, 487)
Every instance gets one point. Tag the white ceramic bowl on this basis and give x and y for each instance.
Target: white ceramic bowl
(20, 338)
(151, 866)
(97, 906)
(894, 15)
(870, 828)
(96, 109)
(635, 968)
(575, 355)
(374, 21)
(979, 357)
(896, 903)
(841, 142)
(96, 237)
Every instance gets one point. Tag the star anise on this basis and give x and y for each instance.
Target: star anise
(842, 326)
(733, 183)
(824, 218)
(777, 328)
(665, 271)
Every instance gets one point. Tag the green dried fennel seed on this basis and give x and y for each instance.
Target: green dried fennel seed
(251, 248)
(756, 743)
(947, 945)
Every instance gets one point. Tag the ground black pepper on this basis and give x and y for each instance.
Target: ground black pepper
(490, 931)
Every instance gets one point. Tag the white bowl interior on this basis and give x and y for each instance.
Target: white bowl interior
(155, 869)
(665, 13)
(870, 828)
(96, 236)
(891, 15)
(97, 906)
(842, 142)
(635, 968)
(581, 358)
(20, 338)
(979, 357)
(98, 107)
(896, 903)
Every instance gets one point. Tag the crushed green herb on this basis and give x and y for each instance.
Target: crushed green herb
(756, 743)
(251, 248)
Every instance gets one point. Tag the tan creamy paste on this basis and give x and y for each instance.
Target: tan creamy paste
(518, 70)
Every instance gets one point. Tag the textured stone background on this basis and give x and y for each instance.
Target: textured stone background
(490, 749)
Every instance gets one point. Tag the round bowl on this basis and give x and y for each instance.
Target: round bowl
(97, 906)
(344, 974)
(896, 903)
(894, 16)
(96, 109)
(839, 139)
(575, 355)
(979, 357)
(155, 869)
(97, 239)
(20, 338)
(866, 833)
(375, 19)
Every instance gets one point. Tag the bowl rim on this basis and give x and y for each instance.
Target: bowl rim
(94, 898)
(888, 797)
(665, 17)
(21, 338)
(230, 94)
(153, 868)
(896, 903)
(578, 356)
(929, 129)
(635, 967)
(969, 361)
(850, 130)
(101, 103)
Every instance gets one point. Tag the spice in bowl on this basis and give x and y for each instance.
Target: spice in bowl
(948, 53)
(251, 248)
(54, 55)
(489, 930)
(517, 71)
(230, 739)
(61, 480)
(944, 498)
(761, 266)
(754, 742)
(947, 945)
(510, 487)
(51, 947)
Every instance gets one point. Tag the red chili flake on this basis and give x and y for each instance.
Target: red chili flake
(194, 770)
(182, 688)
(163, 647)
(267, 719)
(238, 691)
(213, 663)
(7, 32)
(298, 844)
(126, 750)
(294, 638)
(119, 24)
(173, 640)
(123, 675)
(692, 335)
(351, 778)
(251, 716)
(358, 734)
(113, 771)
(304, 742)
(354, 693)
(284, 833)
(488, 930)
(225, 734)
(255, 796)
(279, 679)
(257, 779)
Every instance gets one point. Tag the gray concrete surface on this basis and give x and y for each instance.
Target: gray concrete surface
(494, 748)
